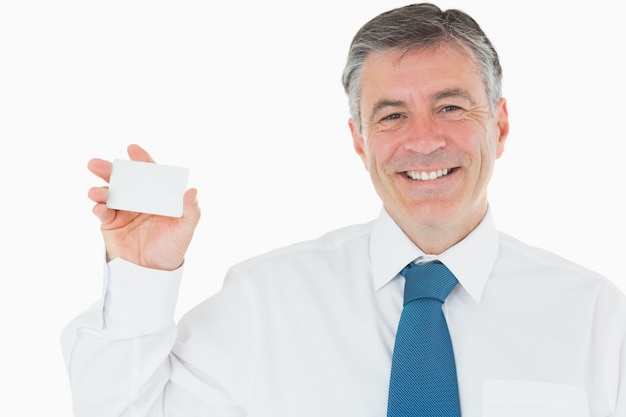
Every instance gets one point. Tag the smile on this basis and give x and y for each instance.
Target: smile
(427, 176)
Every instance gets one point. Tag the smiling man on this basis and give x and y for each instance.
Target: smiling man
(428, 310)
(429, 138)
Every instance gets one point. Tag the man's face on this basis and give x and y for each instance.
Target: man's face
(428, 138)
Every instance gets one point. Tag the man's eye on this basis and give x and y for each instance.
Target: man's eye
(448, 109)
(394, 116)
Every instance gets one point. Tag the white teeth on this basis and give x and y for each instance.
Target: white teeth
(427, 176)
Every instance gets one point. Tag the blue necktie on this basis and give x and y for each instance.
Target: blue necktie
(423, 372)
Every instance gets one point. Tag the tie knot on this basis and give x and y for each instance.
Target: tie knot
(429, 280)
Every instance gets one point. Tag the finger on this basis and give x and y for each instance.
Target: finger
(137, 153)
(103, 213)
(191, 209)
(98, 194)
(100, 168)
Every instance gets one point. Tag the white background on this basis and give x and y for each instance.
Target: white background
(247, 95)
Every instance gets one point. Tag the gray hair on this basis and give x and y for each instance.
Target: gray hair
(419, 26)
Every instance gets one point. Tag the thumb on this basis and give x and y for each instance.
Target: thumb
(191, 209)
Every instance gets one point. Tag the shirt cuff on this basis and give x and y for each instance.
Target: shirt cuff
(138, 300)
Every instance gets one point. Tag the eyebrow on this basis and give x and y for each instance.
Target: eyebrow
(455, 93)
(382, 104)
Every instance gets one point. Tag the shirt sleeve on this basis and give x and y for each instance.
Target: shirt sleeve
(116, 352)
(620, 367)
(121, 358)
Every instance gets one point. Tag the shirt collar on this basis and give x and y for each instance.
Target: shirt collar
(471, 260)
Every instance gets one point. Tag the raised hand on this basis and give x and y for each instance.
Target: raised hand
(148, 240)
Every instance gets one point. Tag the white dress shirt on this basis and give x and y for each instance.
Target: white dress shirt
(308, 330)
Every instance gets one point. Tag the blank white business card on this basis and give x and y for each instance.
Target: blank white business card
(147, 188)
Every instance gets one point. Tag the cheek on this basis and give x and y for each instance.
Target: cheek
(488, 155)
(382, 149)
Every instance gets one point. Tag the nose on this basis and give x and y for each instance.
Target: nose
(424, 135)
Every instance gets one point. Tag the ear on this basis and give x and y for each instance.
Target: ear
(502, 124)
(358, 141)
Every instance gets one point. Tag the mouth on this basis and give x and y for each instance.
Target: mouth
(428, 175)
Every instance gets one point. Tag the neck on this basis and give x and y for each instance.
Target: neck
(434, 238)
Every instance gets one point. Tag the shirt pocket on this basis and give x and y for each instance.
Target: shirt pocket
(513, 398)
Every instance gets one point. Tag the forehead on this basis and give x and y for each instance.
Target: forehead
(421, 70)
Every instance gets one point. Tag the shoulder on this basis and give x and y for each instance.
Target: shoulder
(533, 263)
(333, 245)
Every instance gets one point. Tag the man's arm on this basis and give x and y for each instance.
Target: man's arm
(118, 352)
